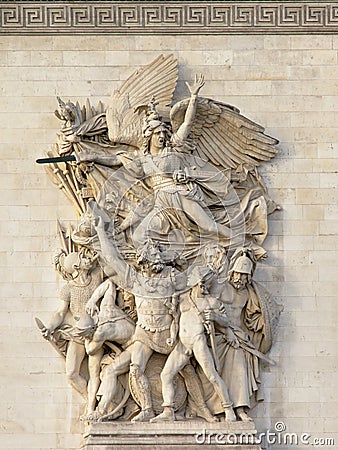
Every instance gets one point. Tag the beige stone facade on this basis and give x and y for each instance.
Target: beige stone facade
(289, 84)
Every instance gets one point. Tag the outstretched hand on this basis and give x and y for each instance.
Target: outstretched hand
(99, 225)
(70, 134)
(197, 85)
(83, 157)
(46, 333)
(91, 308)
(231, 338)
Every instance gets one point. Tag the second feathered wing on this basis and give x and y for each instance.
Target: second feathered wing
(223, 136)
(126, 109)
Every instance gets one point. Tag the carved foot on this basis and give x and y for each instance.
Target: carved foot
(242, 415)
(91, 417)
(129, 412)
(144, 416)
(206, 414)
(230, 415)
(167, 416)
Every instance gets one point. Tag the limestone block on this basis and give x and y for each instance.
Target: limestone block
(19, 58)
(327, 149)
(306, 72)
(328, 180)
(46, 58)
(286, 196)
(82, 43)
(277, 42)
(326, 304)
(301, 273)
(328, 165)
(326, 118)
(329, 424)
(296, 88)
(76, 58)
(29, 441)
(3, 58)
(310, 228)
(316, 257)
(299, 42)
(327, 291)
(117, 58)
(311, 319)
(278, 57)
(319, 57)
(315, 197)
(313, 212)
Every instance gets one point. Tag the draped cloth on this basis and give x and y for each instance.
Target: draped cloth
(239, 368)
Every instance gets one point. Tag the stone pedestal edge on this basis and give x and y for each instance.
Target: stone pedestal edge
(187, 435)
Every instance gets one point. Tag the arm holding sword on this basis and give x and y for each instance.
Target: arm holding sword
(56, 320)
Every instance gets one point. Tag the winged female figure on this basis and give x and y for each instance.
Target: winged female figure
(181, 179)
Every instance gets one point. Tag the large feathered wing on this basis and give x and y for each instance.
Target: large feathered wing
(126, 109)
(223, 136)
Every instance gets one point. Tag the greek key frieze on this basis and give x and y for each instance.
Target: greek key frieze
(156, 17)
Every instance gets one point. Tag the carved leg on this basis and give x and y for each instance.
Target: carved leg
(195, 391)
(119, 366)
(205, 221)
(175, 362)
(139, 383)
(75, 355)
(94, 379)
(204, 358)
(143, 230)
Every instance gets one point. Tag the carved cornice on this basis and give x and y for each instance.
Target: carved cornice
(170, 17)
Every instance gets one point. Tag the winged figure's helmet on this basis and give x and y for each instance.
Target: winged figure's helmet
(153, 121)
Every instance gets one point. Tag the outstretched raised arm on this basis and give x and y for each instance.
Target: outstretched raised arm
(109, 251)
(194, 89)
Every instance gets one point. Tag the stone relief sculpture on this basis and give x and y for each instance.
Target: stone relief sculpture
(83, 277)
(159, 299)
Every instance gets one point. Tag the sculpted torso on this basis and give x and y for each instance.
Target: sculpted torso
(152, 313)
(190, 323)
(235, 300)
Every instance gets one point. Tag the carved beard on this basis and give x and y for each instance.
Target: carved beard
(157, 268)
(239, 285)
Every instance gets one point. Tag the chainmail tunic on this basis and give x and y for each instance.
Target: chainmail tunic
(78, 295)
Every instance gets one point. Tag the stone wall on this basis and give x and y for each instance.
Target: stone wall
(287, 83)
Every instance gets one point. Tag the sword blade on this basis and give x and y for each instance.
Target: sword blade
(213, 345)
(56, 159)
